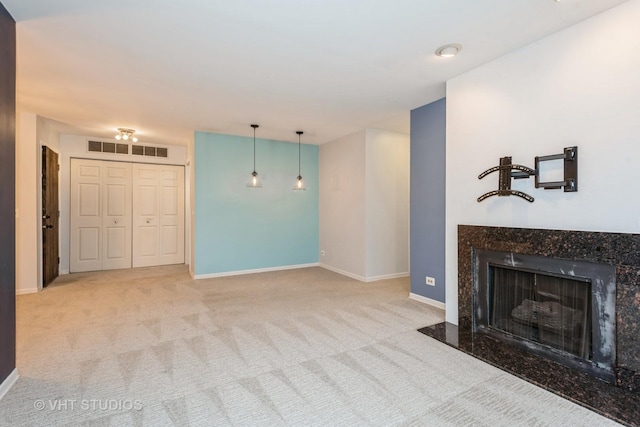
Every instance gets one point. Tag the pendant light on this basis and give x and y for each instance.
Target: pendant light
(253, 181)
(299, 186)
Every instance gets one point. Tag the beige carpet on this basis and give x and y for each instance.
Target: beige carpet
(302, 347)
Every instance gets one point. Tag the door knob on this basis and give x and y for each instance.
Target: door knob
(148, 221)
(47, 226)
(115, 221)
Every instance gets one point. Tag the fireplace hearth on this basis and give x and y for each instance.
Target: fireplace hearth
(550, 331)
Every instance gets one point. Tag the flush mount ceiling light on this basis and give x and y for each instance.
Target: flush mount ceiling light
(126, 134)
(253, 181)
(449, 50)
(299, 183)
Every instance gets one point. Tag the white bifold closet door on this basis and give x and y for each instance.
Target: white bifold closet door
(125, 215)
(100, 215)
(158, 215)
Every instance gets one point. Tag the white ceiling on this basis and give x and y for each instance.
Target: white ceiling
(327, 67)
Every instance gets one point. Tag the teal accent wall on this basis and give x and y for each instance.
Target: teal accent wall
(240, 228)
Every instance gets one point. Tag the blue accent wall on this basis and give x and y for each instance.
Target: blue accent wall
(428, 155)
(240, 228)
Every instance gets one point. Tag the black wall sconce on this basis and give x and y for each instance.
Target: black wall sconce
(507, 170)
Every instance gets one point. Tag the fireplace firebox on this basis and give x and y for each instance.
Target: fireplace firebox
(560, 309)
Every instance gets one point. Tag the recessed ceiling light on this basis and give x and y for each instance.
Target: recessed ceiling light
(449, 50)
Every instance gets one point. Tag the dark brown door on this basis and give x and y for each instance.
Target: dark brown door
(50, 216)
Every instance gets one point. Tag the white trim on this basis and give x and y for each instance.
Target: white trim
(257, 270)
(386, 276)
(27, 291)
(364, 279)
(63, 272)
(344, 273)
(425, 300)
(8, 382)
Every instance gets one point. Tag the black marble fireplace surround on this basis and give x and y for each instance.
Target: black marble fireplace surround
(619, 401)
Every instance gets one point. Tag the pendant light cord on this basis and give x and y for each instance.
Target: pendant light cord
(298, 154)
(254, 146)
(299, 133)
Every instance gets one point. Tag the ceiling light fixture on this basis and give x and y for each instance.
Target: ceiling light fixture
(126, 134)
(449, 50)
(253, 181)
(299, 183)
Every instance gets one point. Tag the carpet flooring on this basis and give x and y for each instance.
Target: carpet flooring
(308, 347)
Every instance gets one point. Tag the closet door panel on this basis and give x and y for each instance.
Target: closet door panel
(100, 215)
(85, 241)
(158, 215)
(116, 215)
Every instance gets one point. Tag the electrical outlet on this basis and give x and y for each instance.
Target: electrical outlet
(322, 253)
(431, 281)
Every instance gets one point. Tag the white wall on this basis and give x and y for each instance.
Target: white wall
(33, 132)
(342, 205)
(577, 87)
(28, 271)
(48, 134)
(75, 146)
(364, 205)
(387, 204)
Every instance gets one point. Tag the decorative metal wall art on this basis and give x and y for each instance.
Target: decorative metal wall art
(507, 170)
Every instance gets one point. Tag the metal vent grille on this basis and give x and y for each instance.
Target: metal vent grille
(136, 150)
(144, 150)
(95, 146)
(107, 147)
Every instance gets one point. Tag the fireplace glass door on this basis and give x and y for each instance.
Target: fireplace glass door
(550, 310)
(557, 308)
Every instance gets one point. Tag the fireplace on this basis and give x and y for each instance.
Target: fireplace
(598, 368)
(560, 309)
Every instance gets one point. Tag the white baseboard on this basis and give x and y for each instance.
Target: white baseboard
(63, 272)
(344, 273)
(8, 382)
(257, 270)
(362, 278)
(26, 291)
(425, 300)
(386, 276)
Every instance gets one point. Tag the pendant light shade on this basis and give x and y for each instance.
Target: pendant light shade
(299, 185)
(253, 181)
